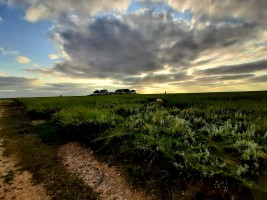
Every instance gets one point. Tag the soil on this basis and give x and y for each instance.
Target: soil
(14, 183)
(104, 179)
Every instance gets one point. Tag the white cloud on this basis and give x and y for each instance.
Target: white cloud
(53, 56)
(36, 13)
(1, 20)
(6, 52)
(251, 11)
(55, 10)
(23, 60)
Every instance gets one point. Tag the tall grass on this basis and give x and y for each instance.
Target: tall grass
(189, 135)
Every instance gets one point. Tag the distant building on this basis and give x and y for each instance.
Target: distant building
(96, 92)
(100, 92)
(103, 92)
(123, 91)
(119, 91)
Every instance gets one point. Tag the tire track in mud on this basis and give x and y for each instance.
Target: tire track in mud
(14, 183)
(104, 179)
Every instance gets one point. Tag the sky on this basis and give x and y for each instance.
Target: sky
(73, 47)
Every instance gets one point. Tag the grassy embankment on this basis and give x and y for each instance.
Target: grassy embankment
(216, 140)
(38, 157)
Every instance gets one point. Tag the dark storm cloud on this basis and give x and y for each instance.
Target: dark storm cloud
(67, 86)
(225, 35)
(155, 78)
(26, 87)
(107, 46)
(236, 77)
(138, 43)
(214, 81)
(258, 79)
(251, 11)
(111, 48)
(17, 83)
(235, 69)
(46, 71)
(224, 78)
(10, 82)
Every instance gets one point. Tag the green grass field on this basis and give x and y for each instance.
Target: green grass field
(218, 139)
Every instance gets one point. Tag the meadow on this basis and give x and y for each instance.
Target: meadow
(216, 139)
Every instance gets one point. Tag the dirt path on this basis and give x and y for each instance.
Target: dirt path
(14, 183)
(105, 180)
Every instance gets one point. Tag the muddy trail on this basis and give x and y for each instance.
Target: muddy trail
(104, 179)
(14, 183)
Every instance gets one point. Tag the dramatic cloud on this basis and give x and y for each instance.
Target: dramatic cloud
(23, 60)
(106, 48)
(210, 79)
(209, 42)
(235, 69)
(66, 89)
(213, 83)
(11, 86)
(14, 83)
(262, 78)
(142, 42)
(250, 11)
(6, 52)
(57, 9)
(150, 79)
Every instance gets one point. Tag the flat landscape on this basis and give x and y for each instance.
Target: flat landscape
(167, 146)
(133, 99)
